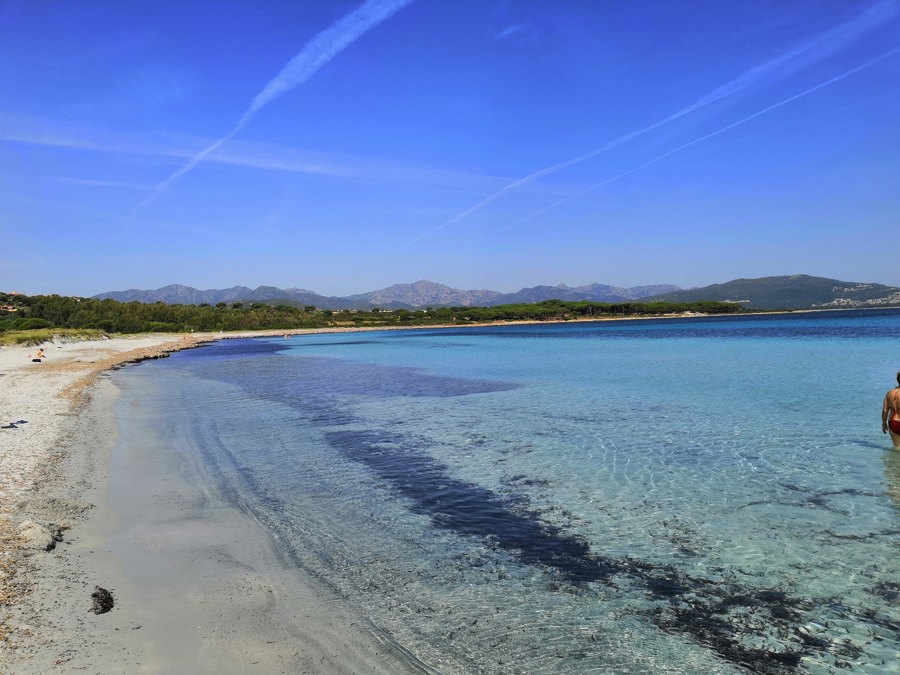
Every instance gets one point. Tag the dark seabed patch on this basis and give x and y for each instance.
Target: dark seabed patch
(296, 380)
(724, 616)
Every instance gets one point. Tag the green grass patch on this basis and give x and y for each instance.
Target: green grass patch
(39, 336)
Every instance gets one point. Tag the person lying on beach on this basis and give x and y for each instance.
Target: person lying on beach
(890, 414)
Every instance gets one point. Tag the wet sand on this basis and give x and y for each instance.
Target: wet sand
(198, 585)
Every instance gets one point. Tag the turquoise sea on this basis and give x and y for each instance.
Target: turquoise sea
(701, 495)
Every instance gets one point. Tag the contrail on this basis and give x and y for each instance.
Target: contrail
(827, 42)
(685, 146)
(317, 52)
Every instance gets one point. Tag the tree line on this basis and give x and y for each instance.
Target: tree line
(21, 312)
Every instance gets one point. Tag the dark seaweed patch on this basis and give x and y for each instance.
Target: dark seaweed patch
(522, 479)
(887, 590)
(382, 382)
(723, 616)
(342, 343)
(297, 380)
(821, 499)
(232, 349)
(469, 509)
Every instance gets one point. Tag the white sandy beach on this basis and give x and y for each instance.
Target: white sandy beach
(198, 585)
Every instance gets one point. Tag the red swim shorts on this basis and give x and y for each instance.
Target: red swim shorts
(894, 425)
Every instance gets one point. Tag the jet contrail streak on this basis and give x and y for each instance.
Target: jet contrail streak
(322, 48)
(685, 146)
(826, 43)
(194, 161)
(317, 52)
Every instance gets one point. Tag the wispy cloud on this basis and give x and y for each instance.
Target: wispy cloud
(43, 132)
(176, 148)
(317, 52)
(717, 132)
(33, 131)
(88, 182)
(814, 50)
(510, 31)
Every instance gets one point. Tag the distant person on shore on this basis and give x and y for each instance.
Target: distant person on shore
(890, 414)
(38, 355)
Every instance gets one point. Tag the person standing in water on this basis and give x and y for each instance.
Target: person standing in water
(890, 414)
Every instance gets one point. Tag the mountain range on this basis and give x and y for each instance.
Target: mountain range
(417, 295)
(798, 291)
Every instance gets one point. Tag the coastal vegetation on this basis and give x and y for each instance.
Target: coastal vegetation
(53, 313)
(36, 336)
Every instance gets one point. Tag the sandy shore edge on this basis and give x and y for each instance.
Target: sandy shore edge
(196, 582)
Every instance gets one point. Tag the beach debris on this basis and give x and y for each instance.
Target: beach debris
(36, 536)
(102, 599)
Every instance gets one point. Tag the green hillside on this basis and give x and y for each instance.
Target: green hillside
(797, 291)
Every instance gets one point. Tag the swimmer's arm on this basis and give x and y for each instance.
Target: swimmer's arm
(884, 415)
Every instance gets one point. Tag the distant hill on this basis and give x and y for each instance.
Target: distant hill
(797, 291)
(422, 294)
(595, 292)
(176, 294)
(417, 295)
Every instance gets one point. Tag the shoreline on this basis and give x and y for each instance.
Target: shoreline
(195, 580)
(57, 471)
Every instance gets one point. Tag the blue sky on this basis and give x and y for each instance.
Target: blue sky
(344, 146)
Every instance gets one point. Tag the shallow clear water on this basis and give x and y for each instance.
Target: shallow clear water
(676, 496)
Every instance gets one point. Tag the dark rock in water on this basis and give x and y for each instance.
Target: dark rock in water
(103, 600)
